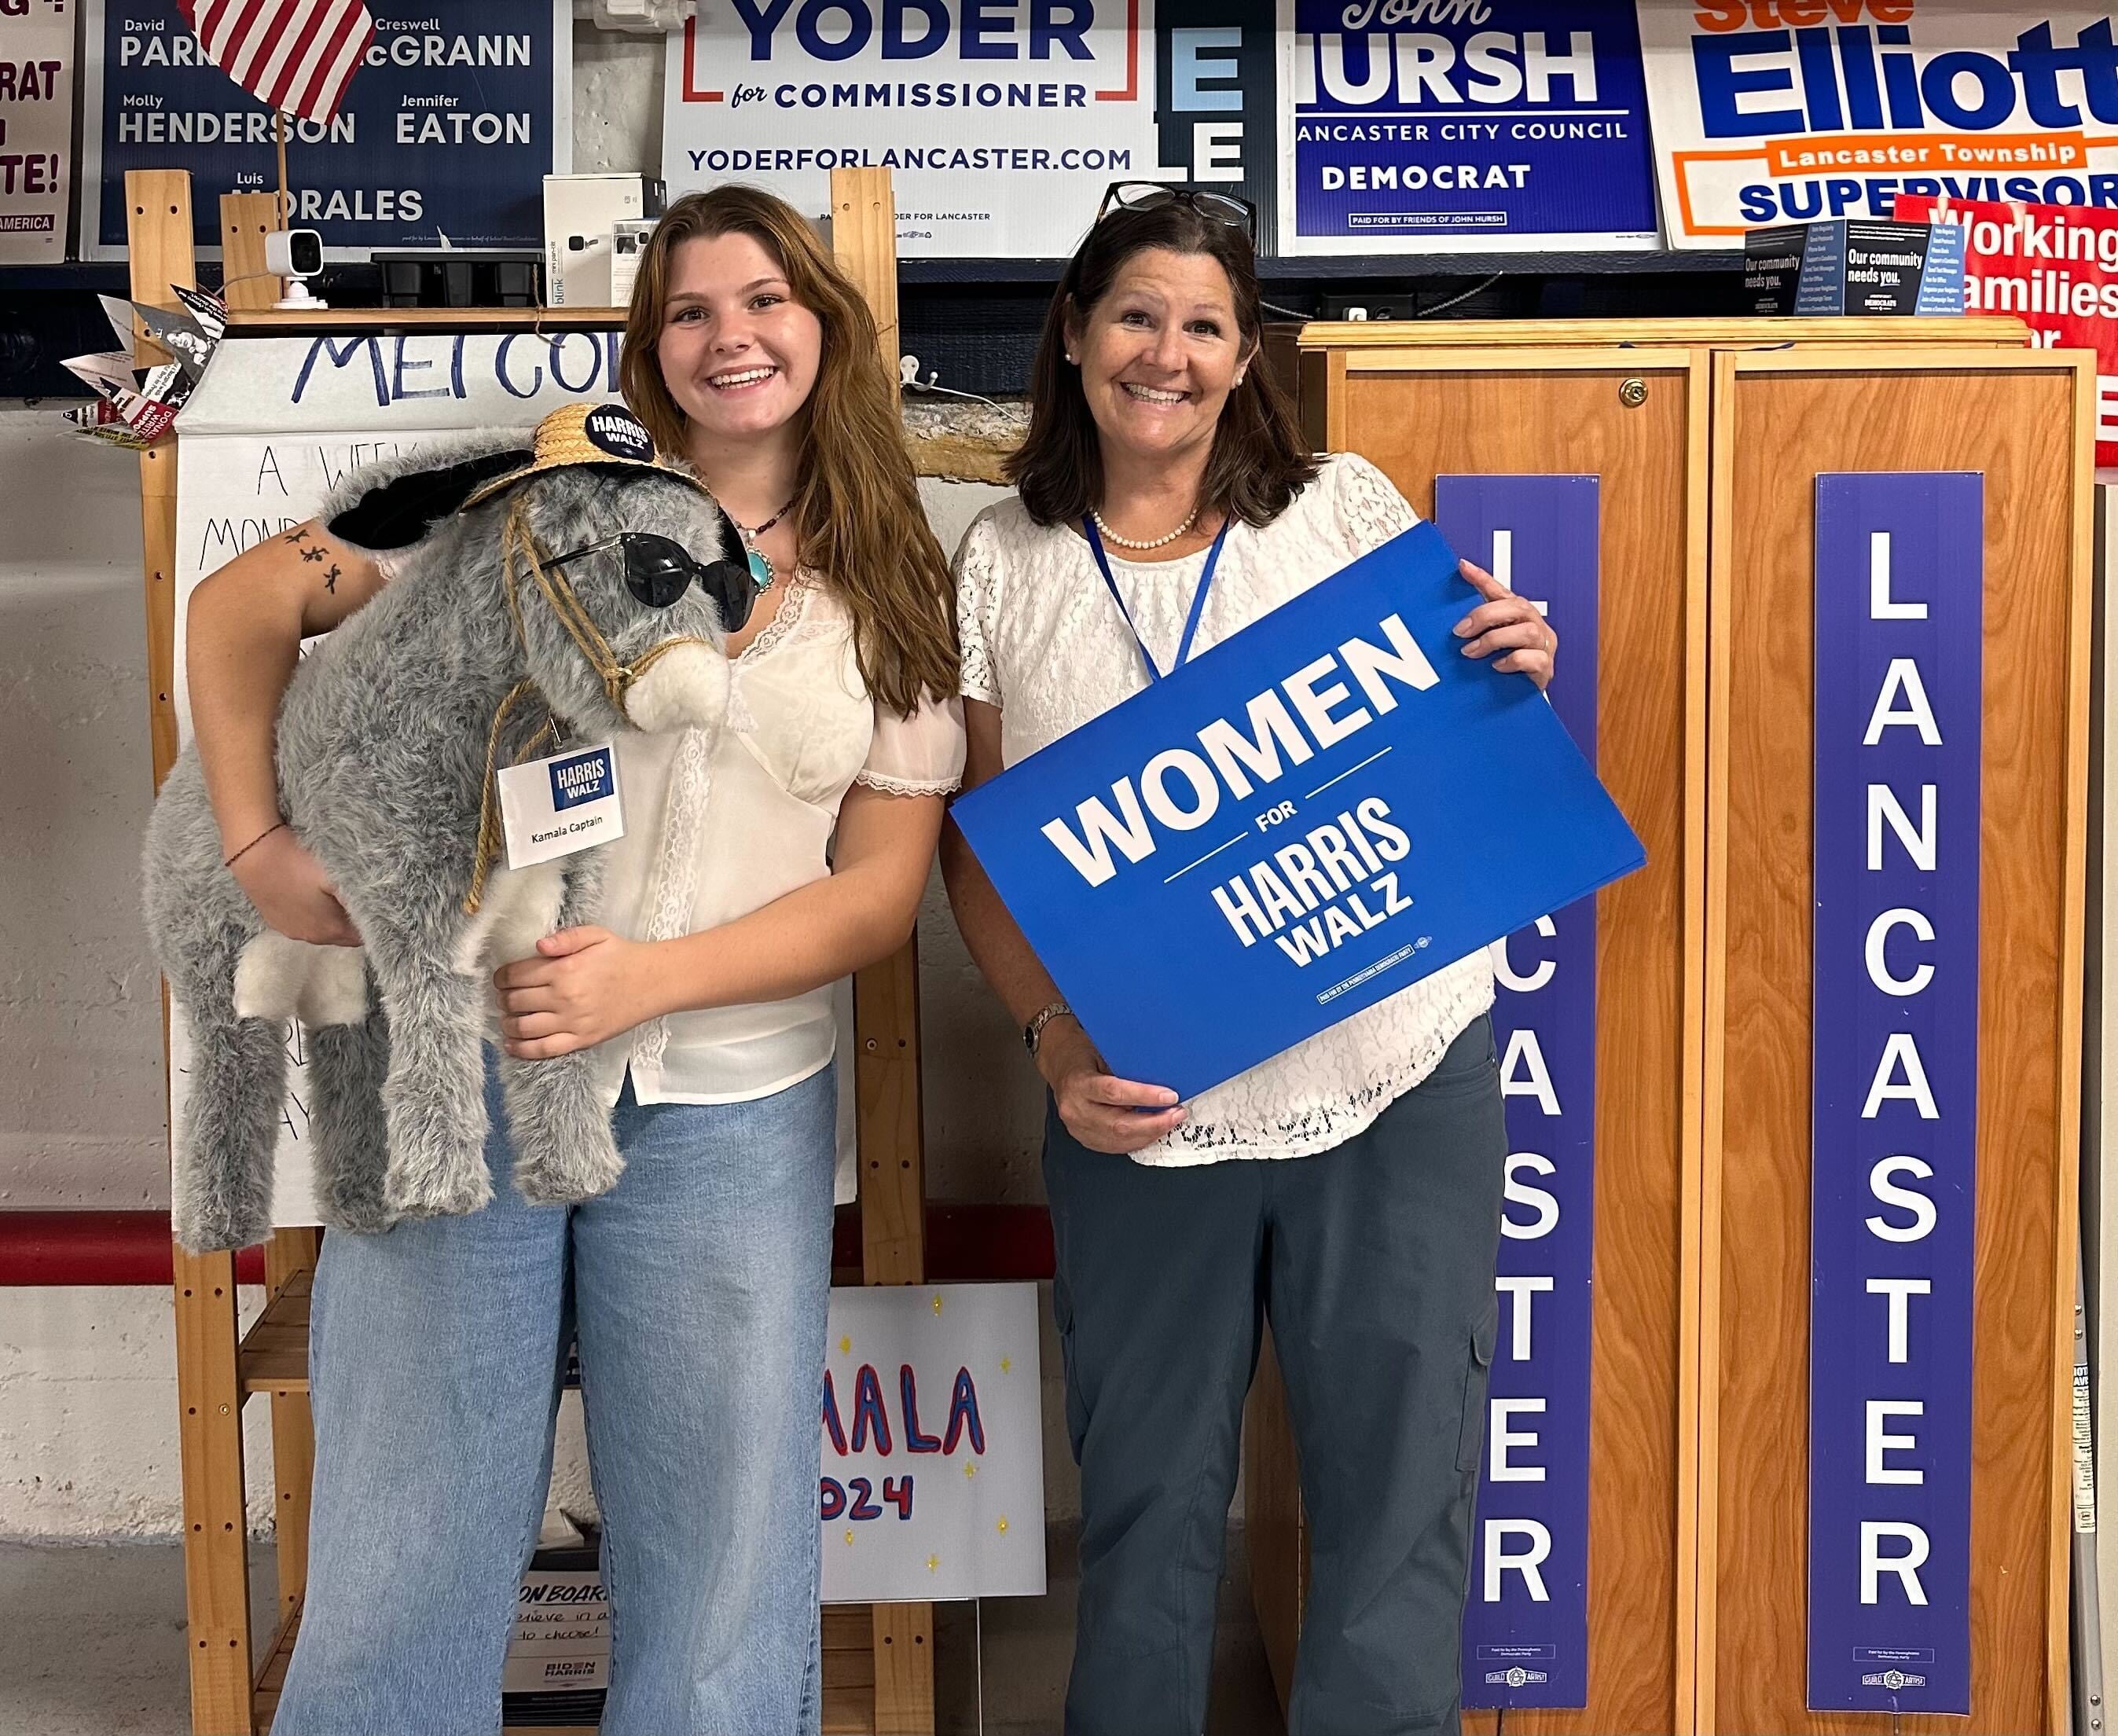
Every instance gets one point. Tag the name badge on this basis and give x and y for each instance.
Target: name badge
(554, 807)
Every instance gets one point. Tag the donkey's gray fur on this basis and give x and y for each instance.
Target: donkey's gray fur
(382, 758)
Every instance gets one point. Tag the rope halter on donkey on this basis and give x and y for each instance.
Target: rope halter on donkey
(518, 542)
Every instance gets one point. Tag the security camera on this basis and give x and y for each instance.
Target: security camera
(293, 253)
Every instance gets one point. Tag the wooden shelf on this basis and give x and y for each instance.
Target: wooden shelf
(274, 1355)
(1995, 330)
(364, 322)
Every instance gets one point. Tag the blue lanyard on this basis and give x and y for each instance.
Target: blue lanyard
(1198, 597)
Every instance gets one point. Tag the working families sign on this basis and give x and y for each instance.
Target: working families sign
(933, 1484)
(2054, 268)
(1318, 812)
(1526, 1622)
(1002, 122)
(1900, 577)
(448, 128)
(36, 129)
(1493, 125)
(1777, 111)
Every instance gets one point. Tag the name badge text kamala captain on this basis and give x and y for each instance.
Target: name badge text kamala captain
(554, 807)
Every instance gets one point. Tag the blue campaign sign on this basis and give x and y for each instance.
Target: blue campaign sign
(1315, 813)
(1414, 128)
(448, 128)
(1526, 1623)
(1899, 631)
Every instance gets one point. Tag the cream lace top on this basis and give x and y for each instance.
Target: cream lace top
(716, 828)
(1041, 640)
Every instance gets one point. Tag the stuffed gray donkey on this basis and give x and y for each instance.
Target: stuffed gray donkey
(536, 597)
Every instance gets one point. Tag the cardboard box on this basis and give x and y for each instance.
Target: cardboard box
(580, 213)
(1842, 266)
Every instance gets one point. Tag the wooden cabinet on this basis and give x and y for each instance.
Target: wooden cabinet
(1707, 437)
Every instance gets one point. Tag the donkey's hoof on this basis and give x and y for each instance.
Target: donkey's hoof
(451, 1192)
(565, 1178)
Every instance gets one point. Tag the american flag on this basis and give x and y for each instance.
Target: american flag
(294, 55)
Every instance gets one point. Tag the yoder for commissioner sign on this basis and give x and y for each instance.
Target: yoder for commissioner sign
(448, 128)
(1002, 121)
(1779, 111)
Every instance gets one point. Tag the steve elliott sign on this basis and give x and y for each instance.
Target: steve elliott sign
(1313, 815)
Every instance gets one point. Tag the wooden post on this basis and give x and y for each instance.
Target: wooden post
(887, 1026)
(216, 1568)
(246, 220)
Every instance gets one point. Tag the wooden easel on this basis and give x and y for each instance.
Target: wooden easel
(878, 1664)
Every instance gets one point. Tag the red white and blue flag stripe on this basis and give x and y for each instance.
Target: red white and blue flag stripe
(296, 56)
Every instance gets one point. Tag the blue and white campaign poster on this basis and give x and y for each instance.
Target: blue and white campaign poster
(448, 128)
(1318, 812)
(1526, 1623)
(1486, 126)
(1899, 625)
(1001, 124)
(1766, 114)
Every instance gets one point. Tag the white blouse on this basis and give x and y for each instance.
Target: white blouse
(1042, 641)
(716, 827)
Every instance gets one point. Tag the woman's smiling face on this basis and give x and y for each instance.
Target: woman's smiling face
(739, 354)
(1158, 353)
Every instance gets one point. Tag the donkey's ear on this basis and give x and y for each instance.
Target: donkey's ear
(385, 506)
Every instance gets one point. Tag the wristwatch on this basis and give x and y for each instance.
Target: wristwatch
(1034, 1032)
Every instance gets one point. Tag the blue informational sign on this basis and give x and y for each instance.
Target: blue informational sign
(1526, 1623)
(1899, 629)
(1315, 813)
(448, 128)
(1414, 128)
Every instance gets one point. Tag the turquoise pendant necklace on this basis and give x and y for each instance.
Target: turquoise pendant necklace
(760, 563)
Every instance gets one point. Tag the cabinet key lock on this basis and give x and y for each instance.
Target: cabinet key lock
(1633, 393)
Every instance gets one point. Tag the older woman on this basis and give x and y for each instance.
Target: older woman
(1165, 502)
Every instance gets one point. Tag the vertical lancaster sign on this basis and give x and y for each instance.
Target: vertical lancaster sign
(1001, 124)
(448, 128)
(1770, 112)
(1899, 624)
(1487, 125)
(36, 129)
(1526, 1624)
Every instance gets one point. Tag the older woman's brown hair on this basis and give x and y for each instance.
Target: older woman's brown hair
(858, 518)
(1258, 462)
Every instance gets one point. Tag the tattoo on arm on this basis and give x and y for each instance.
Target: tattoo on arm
(330, 580)
(313, 554)
(299, 533)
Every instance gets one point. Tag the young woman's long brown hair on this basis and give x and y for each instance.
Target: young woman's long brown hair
(857, 514)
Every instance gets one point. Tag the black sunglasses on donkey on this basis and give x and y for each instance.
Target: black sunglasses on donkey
(657, 570)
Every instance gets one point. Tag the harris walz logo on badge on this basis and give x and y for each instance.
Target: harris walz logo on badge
(581, 777)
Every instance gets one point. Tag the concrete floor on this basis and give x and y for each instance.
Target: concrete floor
(96, 1647)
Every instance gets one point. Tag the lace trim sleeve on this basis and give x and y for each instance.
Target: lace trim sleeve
(975, 566)
(895, 786)
(1371, 510)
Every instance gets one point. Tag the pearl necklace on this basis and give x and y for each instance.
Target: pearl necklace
(1126, 542)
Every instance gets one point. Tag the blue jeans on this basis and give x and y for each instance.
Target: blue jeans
(699, 1285)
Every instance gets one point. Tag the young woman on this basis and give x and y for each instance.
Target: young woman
(1162, 462)
(698, 1284)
